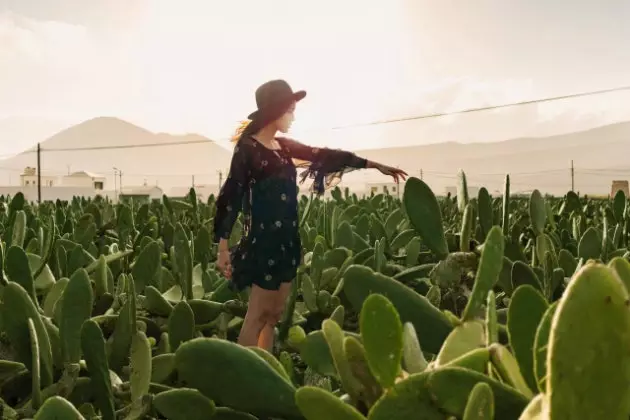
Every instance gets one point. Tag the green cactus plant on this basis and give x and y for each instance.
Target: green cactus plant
(316, 403)
(77, 302)
(184, 404)
(181, 325)
(201, 360)
(526, 310)
(490, 266)
(480, 404)
(17, 308)
(93, 347)
(596, 294)
(382, 335)
(424, 214)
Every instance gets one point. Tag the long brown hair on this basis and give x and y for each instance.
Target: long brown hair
(240, 130)
(246, 127)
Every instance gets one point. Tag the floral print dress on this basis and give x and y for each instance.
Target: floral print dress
(262, 184)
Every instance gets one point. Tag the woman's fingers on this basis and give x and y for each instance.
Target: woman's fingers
(227, 271)
(397, 174)
(226, 268)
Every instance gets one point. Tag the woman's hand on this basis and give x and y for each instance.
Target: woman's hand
(396, 173)
(224, 262)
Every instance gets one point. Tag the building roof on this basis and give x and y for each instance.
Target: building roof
(85, 174)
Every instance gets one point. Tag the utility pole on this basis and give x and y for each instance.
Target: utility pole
(115, 185)
(119, 173)
(421, 174)
(220, 178)
(39, 174)
(572, 177)
(193, 181)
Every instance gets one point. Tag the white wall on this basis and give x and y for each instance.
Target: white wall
(392, 188)
(52, 193)
(203, 191)
(32, 180)
(156, 193)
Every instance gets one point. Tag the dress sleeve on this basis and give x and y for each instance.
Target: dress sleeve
(325, 166)
(230, 200)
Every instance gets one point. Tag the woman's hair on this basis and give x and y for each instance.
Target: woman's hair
(240, 130)
(245, 128)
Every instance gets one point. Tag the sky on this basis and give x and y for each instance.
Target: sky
(193, 65)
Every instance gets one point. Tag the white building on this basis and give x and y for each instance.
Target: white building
(619, 185)
(29, 178)
(203, 191)
(85, 179)
(384, 187)
(152, 192)
(49, 193)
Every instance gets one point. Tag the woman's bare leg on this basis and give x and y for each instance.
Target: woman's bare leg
(268, 332)
(265, 340)
(259, 305)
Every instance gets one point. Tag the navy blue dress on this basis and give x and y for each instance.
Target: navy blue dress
(262, 184)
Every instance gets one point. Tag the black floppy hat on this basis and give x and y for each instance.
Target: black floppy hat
(273, 99)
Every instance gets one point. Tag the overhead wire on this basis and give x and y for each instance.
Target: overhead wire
(590, 171)
(485, 108)
(376, 122)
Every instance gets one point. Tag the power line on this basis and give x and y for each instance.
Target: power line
(544, 171)
(469, 174)
(377, 122)
(120, 146)
(484, 108)
(130, 146)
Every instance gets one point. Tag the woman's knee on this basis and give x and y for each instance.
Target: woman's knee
(254, 319)
(267, 305)
(264, 314)
(273, 315)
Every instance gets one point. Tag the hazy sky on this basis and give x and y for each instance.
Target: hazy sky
(192, 65)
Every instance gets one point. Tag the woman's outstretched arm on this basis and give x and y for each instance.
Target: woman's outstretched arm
(335, 160)
(302, 151)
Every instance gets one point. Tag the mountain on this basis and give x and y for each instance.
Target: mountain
(143, 156)
(598, 155)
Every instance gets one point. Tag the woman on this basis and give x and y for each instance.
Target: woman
(262, 183)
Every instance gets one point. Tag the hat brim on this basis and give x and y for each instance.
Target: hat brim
(297, 97)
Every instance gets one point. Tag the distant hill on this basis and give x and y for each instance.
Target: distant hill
(599, 156)
(171, 161)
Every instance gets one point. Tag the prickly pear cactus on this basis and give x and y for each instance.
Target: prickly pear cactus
(596, 294)
(442, 308)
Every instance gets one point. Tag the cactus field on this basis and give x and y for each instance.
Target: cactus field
(420, 308)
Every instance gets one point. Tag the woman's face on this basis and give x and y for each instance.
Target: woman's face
(283, 124)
